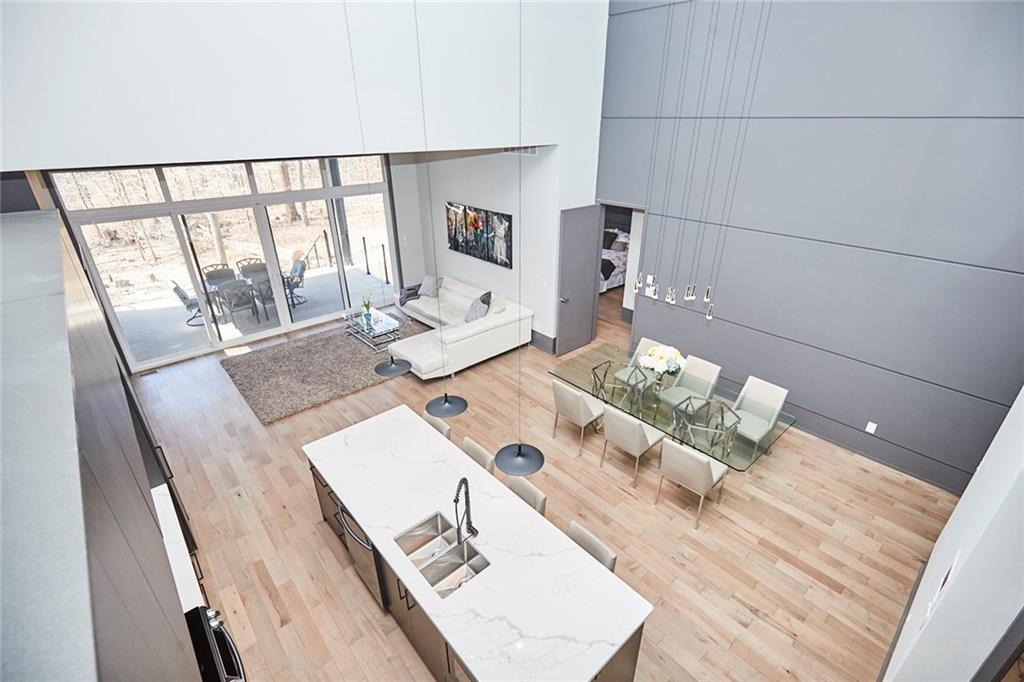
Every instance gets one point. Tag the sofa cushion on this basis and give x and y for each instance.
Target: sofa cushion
(424, 306)
(478, 308)
(423, 351)
(430, 285)
(460, 289)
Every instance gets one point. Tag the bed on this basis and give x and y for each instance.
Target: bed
(613, 259)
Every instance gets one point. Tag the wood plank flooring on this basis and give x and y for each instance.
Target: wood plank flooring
(801, 572)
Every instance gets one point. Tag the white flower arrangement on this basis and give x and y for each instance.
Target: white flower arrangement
(662, 359)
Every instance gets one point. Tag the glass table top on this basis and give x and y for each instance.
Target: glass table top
(712, 425)
(378, 324)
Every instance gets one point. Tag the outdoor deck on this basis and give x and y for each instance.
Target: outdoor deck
(159, 330)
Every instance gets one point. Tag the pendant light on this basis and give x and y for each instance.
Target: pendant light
(729, 196)
(393, 368)
(519, 458)
(446, 405)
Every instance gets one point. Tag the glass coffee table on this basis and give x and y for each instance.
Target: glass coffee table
(378, 331)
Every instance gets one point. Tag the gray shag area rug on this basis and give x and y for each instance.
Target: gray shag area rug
(281, 380)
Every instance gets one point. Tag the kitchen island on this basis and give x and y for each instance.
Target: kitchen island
(530, 605)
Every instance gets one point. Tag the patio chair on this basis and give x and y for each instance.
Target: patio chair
(263, 290)
(191, 304)
(251, 267)
(217, 274)
(295, 278)
(236, 296)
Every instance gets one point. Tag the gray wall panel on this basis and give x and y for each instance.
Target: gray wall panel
(876, 259)
(911, 315)
(619, 6)
(935, 422)
(624, 161)
(865, 182)
(893, 59)
(821, 59)
(633, 62)
(941, 188)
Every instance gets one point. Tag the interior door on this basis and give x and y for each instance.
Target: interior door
(579, 261)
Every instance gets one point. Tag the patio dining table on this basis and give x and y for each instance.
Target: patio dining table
(709, 425)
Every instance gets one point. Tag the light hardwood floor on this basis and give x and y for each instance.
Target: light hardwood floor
(802, 571)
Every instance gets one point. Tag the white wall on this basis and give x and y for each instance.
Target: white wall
(489, 180)
(108, 84)
(985, 591)
(406, 178)
(111, 84)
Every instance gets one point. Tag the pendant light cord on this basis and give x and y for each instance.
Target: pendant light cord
(680, 102)
(519, 164)
(430, 195)
(719, 132)
(753, 74)
(695, 137)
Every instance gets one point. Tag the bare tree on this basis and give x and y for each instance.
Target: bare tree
(302, 206)
(138, 227)
(293, 211)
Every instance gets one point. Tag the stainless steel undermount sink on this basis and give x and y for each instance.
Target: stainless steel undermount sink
(432, 547)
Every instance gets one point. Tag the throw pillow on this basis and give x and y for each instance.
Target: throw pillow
(409, 294)
(497, 305)
(430, 285)
(478, 308)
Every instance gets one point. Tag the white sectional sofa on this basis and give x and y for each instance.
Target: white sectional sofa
(507, 325)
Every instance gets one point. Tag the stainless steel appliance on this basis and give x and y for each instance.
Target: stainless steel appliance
(216, 653)
(364, 556)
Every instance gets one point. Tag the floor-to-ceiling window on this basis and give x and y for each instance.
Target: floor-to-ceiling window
(198, 257)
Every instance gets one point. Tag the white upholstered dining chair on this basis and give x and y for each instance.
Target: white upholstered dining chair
(590, 542)
(441, 425)
(582, 409)
(628, 434)
(529, 493)
(697, 380)
(758, 406)
(691, 469)
(634, 379)
(478, 454)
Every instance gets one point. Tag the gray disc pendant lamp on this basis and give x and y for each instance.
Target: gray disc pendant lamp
(393, 368)
(446, 405)
(520, 459)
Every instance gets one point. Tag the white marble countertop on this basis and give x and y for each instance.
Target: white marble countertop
(543, 609)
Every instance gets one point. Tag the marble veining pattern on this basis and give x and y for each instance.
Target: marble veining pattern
(543, 609)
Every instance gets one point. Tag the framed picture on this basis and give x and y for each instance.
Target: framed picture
(500, 241)
(480, 233)
(456, 222)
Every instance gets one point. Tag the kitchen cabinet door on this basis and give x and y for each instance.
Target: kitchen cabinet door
(428, 641)
(394, 593)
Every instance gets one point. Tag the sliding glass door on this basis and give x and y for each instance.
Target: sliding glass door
(370, 269)
(306, 255)
(234, 276)
(148, 285)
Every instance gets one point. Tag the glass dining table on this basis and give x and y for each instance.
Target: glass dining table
(710, 425)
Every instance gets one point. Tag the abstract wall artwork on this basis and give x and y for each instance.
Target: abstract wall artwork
(486, 235)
